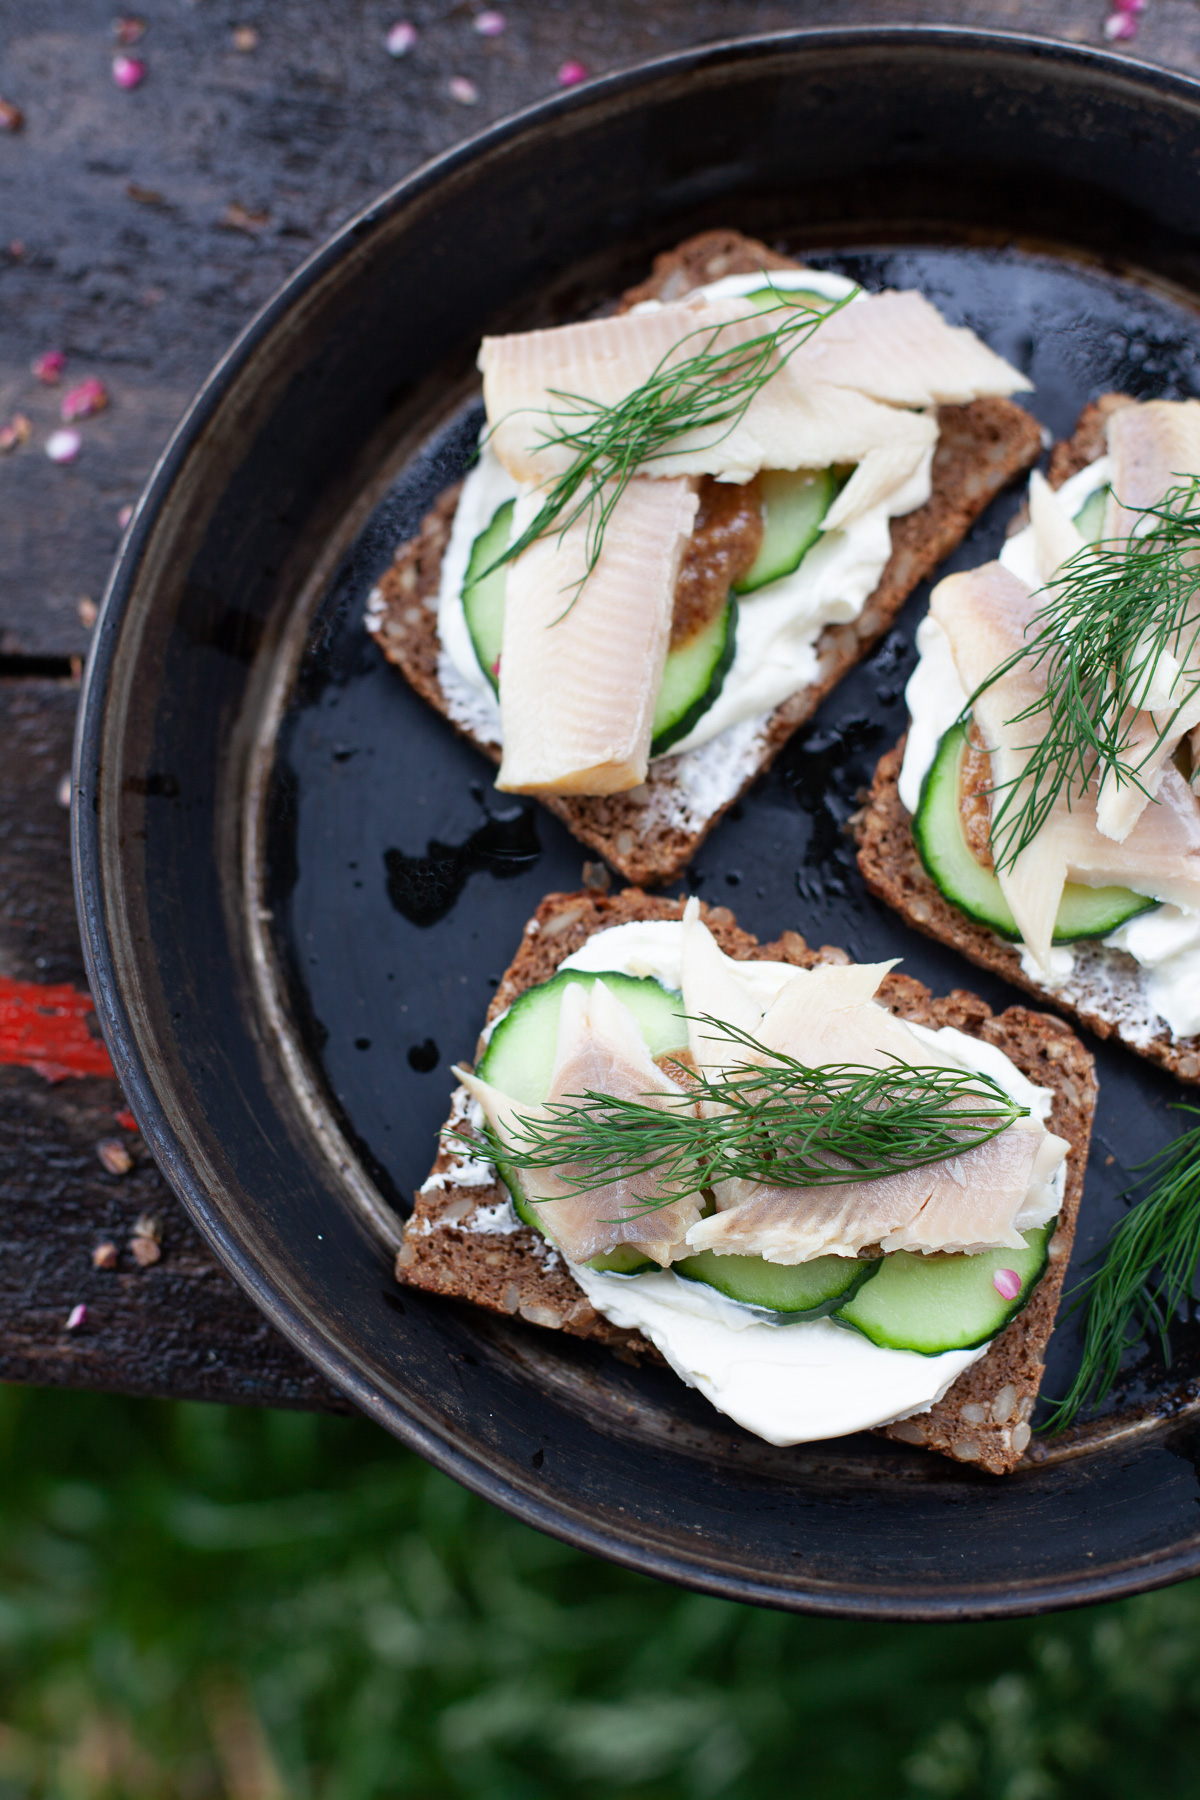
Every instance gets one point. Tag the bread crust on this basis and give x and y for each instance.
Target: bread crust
(651, 833)
(1107, 992)
(983, 1417)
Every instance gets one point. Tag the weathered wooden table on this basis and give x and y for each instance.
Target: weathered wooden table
(140, 228)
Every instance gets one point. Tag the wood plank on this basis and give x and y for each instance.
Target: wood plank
(179, 1326)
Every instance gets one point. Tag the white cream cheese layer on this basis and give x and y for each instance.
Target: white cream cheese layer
(1165, 941)
(778, 626)
(789, 1384)
(813, 1379)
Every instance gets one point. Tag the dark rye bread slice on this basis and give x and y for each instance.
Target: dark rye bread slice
(1106, 992)
(983, 1418)
(651, 833)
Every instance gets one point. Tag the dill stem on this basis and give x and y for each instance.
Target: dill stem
(1148, 1269)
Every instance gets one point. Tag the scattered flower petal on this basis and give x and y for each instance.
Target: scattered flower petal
(1007, 1283)
(128, 30)
(245, 37)
(572, 73)
(17, 431)
(1120, 27)
(76, 1317)
(463, 90)
(124, 516)
(11, 117)
(143, 195)
(49, 367)
(87, 610)
(87, 397)
(237, 217)
(128, 71)
(146, 1240)
(490, 24)
(62, 793)
(400, 39)
(63, 446)
(104, 1256)
(114, 1157)
(125, 1119)
(16, 249)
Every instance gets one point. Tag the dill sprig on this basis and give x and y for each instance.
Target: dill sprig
(1148, 1269)
(1114, 610)
(708, 389)
(774, 1120)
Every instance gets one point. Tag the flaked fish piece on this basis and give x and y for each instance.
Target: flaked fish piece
(829, 1015)
(600, 1049)
(987, 614)
(835, 399)
(578, 688)
(1154, 446)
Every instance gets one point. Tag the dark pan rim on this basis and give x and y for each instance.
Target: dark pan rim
(558, 1518)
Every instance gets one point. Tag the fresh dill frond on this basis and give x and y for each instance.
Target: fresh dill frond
(706, 389)
(1114, 611)
(772, 1120)
(1148, 1269)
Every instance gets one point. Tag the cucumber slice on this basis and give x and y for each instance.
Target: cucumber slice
(483, 595)
(765, 298)
(794, 503)
(519, 1060)
(693, 677)
(935, 1303)
(788, 1292)
(1089, 520)
(1084, 912)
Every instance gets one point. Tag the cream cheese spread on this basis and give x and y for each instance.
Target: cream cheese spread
(812, 1379)
(1165, 942)
(778, 626)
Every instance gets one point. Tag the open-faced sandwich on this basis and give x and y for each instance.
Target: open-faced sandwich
(828, 1200)
(1042, 814)
(685, 522)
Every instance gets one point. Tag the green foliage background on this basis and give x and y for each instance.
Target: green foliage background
(202, 1601)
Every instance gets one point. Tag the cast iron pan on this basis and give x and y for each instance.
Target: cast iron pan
(297, 887)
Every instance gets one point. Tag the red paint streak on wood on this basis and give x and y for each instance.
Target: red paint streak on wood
(45, 1028)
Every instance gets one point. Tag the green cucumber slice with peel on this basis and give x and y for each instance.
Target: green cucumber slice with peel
(1089, 520)
(1084, 912)
(786, 1292)
(519, 1060)
(483, 595)
(794, 503)
(935, 1303)
(766, 298)
(693, 676)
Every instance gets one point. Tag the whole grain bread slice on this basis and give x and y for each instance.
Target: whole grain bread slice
(652, 832)
(1107, 990)
(461, 1242)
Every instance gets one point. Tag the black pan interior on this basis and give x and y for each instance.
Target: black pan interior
(1044, 197)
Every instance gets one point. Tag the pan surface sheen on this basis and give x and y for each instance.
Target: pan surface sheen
(297, 887)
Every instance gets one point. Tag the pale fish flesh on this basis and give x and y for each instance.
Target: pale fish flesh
(836, 399)
(600, 1049)
(986, 614)
(578, 687)
(829, 1015)
(1154, 447)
